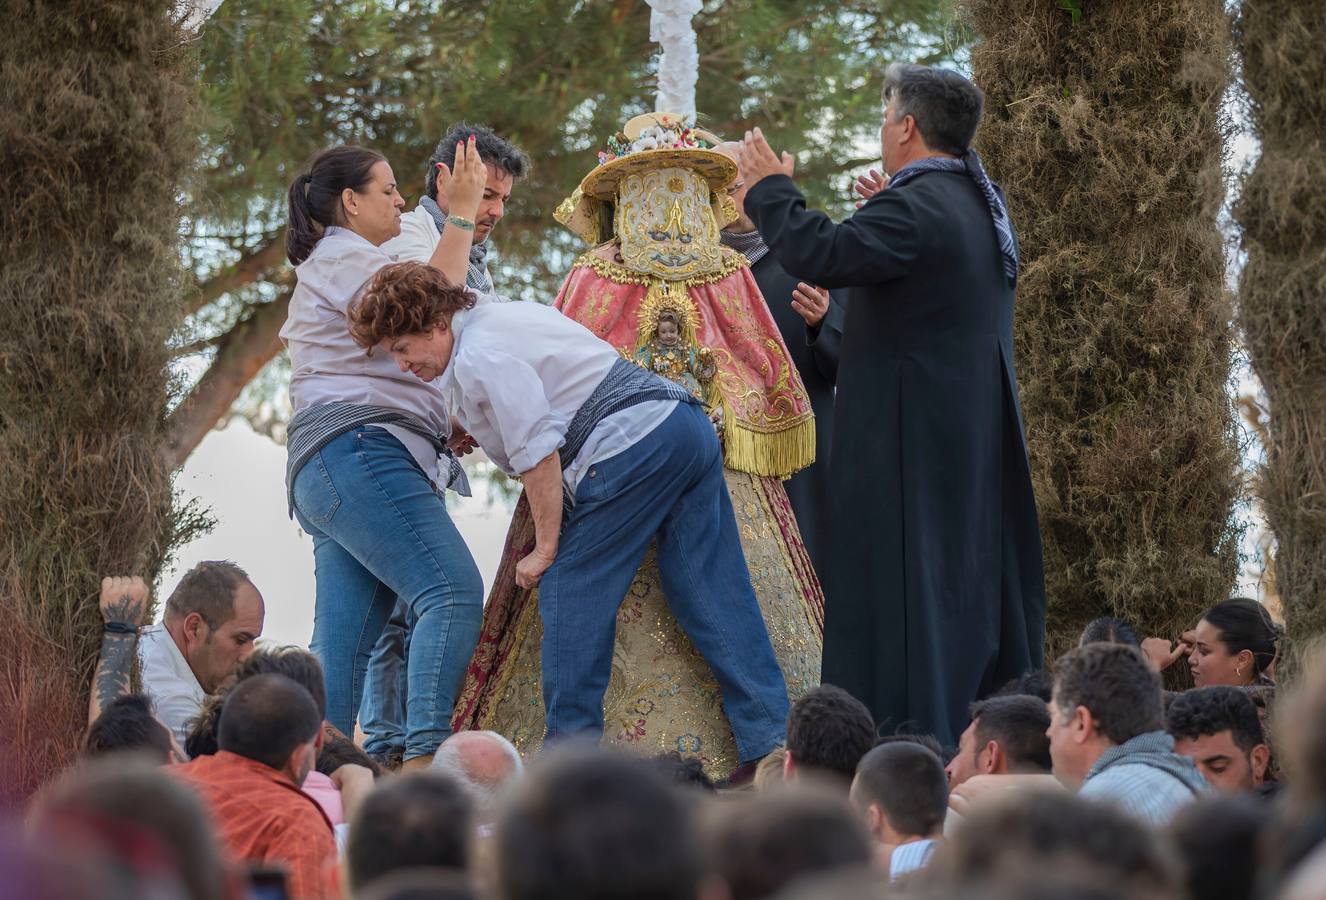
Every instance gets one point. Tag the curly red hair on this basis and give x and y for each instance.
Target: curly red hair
(402, 299)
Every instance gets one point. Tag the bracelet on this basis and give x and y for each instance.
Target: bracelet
(462, 224)
(120, 628)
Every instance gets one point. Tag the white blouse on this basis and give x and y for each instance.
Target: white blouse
(517, 397)
(327, 366)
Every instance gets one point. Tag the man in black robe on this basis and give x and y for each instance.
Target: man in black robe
(934, 591)
(810, 320)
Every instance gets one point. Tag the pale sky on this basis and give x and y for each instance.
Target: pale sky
(240, 476)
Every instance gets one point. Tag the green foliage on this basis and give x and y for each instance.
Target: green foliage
(285, 78)
(96, 131)
(1107, 136)
(1282, 296)
(1073, 8)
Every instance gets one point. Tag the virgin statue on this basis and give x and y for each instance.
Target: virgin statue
(659, 286)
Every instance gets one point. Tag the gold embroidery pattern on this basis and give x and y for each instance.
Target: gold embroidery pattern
(618, 273)
(666, 225)
(662, 695)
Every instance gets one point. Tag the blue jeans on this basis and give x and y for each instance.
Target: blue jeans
(670, 486)
(380, 532)
(382, 710)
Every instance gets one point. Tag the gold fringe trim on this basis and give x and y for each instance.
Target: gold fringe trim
(732, 262)
(778, 454)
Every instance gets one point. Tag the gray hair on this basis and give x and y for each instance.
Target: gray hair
(945, 106)
(209, 590)
(485, 783)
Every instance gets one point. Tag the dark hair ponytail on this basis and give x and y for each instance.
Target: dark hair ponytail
(1246, 625)
(315, 196)
(1109, 631)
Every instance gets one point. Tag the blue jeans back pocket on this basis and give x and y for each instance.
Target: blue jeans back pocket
(594, 485)
(315, 495)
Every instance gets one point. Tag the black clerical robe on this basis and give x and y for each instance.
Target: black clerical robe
(934, 591)
(814, 352)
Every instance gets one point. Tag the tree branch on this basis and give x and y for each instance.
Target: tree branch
(249, 268)
(197, 346)
(241, 353)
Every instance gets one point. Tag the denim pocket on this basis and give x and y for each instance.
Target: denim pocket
(315, 495)
(594, 485)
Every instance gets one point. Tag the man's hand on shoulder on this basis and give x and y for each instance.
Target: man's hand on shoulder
(756, 160)
(124, 600)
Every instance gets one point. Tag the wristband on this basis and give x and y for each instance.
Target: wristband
(120, 628)
(462, 224)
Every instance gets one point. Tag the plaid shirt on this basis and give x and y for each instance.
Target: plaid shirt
(262, 817)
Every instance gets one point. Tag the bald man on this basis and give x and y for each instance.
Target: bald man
(483, 761)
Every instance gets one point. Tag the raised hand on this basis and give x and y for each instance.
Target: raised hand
(124, 599)
(123, 603)
(1161, 655)
(463, 184)
(756, 160)
(869, 185)
(810, 302)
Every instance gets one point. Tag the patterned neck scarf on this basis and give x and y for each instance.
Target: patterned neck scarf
(970, 164)
(750, 244)
(476, 276)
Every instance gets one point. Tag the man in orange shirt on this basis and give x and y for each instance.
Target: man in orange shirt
(269, 736)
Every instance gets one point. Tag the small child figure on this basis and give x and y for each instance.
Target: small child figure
(674, 360)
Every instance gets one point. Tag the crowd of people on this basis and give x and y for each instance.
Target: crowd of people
(1088, 780)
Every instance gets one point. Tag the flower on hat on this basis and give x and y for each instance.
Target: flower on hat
(664, 132)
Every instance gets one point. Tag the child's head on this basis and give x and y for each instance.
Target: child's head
(669, 327)
(902, 791)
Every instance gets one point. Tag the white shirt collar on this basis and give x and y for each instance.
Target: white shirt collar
(334, 234)
(178, 662)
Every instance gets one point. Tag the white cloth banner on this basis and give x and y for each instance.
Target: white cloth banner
(199, 11)
(678, 70)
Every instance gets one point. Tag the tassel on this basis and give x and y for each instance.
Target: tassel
(778, 454)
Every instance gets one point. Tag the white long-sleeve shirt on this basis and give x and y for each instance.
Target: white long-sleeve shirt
(517, 398)
(418, 238)
(327, 366)
(176, 694)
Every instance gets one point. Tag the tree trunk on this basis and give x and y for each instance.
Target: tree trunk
(1103, 125)
(96, 133)
(1282, 294)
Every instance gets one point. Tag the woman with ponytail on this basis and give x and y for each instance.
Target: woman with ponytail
(370, 447)
(1234, 643)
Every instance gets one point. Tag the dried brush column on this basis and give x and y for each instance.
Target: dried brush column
(1103, 124)
(96, 98)
(1282, 293)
